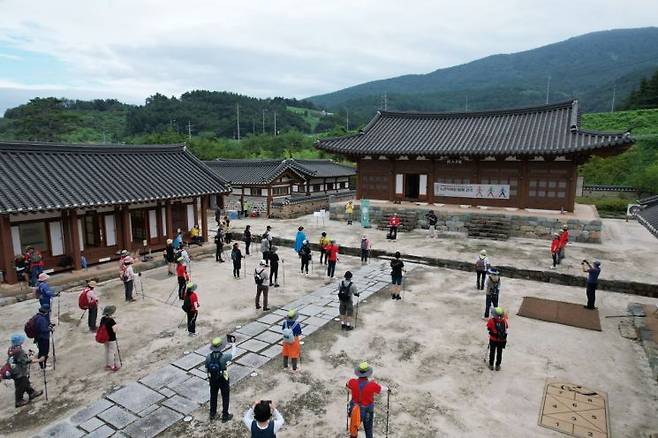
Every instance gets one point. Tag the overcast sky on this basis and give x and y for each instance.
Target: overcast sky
(130, 49)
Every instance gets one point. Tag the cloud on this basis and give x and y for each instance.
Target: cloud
(279, 48)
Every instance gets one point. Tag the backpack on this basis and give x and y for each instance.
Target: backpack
(83, 299)
(479, 265)
(214, 366)
(288, 333)
(344, 291)
(31, 327)
(355, 414)
(501, 330)
(5, 371)
(187, 303)
(102, 336)
(259, 280)
(495, 290)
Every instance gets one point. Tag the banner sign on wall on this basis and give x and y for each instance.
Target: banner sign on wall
(365, 213)
(484, 191)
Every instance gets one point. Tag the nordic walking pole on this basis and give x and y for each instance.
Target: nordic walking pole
(58, 300)
(52, 339)
(118, 352)
(283, 271)
(83, 315)
(402, 285)
(388, 408)
(45, 382)
(356, 313)
(141, 285)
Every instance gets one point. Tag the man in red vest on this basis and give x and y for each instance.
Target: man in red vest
(393, 224)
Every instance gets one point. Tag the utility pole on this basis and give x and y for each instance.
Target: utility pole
(274, 122)
(614, 92)
(189, 130)
(548, 88)
(237, 110)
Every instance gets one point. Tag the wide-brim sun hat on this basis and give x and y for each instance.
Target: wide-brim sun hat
(499, 311)
(128, 260)
(43, 277)
(180, 259)
(565, 227)
(17, 339)
(262, 263)
(124, 252)
(493, 271)
(292, 314)
(348, 275)
(363, 369)
(216, 344)
(109, 310)
(92, 284)
(169, 241)
(45, 308)
(483, 252)
(597, 263)
(191, 287)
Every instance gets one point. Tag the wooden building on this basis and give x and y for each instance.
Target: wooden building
(94, 200)
(524, 158)
(257, 184)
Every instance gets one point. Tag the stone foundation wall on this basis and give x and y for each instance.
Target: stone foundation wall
(535, 227)
(299, 208)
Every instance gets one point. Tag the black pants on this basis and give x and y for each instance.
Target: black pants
(218, 253)
(591, 295)
(266, 257)
(22, 385)
(191, 321)
(128, 289)
(490, 300)
(215, 386)
(181, 287)
(479, 281)
(305, 265)
(274, 273)
(293, 360)
(247, 244)
(323, 256)
(236, 269)
(496, 351)
(91, 319)
(393, 231)
(364, 255)
(331, 268)
(43, 346)
(556, 259)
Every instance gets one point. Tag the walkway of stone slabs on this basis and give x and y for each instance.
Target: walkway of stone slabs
(158, 400)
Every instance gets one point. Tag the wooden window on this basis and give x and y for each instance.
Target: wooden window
(138, 226)
(91, 230)
(33, 234)
(316, 187)
(330, 186)
(280, 191)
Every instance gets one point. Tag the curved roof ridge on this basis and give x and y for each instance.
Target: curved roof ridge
(86, 147)
(572, 103)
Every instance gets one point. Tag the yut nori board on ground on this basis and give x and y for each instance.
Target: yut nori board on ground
(574, 410)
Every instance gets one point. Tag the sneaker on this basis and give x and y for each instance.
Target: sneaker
(398, 297)
(349, 327)
(36, 394)
(342, 326)
(491, 367)
(266, 309)
(276, 285)
(392, 297)
(497, 367)
(229, 417)
(552, 267)
(192, 334)
(21, 402)
(257, 307)
(115, 368)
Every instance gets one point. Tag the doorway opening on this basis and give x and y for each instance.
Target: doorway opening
(411, 185)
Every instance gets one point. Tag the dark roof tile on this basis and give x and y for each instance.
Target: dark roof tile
(256, 171)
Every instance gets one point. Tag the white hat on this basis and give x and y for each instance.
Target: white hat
(262, 263)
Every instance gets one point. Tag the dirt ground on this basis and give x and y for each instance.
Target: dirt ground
(149, 334)
(429, 349)
(627, 252)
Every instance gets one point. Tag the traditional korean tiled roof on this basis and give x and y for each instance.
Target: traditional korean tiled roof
(47, 176)
(648, 217)
(241, 172)
(543, 130)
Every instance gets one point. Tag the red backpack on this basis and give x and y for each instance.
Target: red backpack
(83, 299)
(102, 336)
(31, 327)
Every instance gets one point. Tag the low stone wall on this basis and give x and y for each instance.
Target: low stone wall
(535, 227)
(645, 334)
(300, 207)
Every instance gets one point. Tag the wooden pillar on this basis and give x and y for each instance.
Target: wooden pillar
(205, 200)
(269, 200)
(242, 198)
(392, 181)
(169, 220)
(571, 188)
(158, 218)
(125, 228)
(7, 251)
(74, 238)
(324, 184)
(523, 187)
(430, 183)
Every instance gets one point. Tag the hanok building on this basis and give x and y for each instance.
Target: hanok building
(257, 184)
(94, 200)
(523, 158)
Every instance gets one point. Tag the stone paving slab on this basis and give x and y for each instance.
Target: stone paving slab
(203, 351)
(135, 397)
(64, 429)
(252, 329)
(189, 361)
(254, 345)
(91, 424)
(311, 310)
(314, 320)
(271, 318)
(309, 330)
(194, 388)
(91, 411)
(166, 392)
(148, 410)
(117, 417)
(239, 337)
(181, 404)
(198, 372)
(272, 352)
(269, 337)
(237, 373)
(163, 377)
(152, 425)
(281, 312)
(253, 360)
(332, 311)
(102, 432)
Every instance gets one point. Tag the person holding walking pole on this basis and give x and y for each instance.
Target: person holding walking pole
(38, 327)
(109, 325)
(397, 266)
(19, 362)
(346, 289)
(361, 407)
(88, 301)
